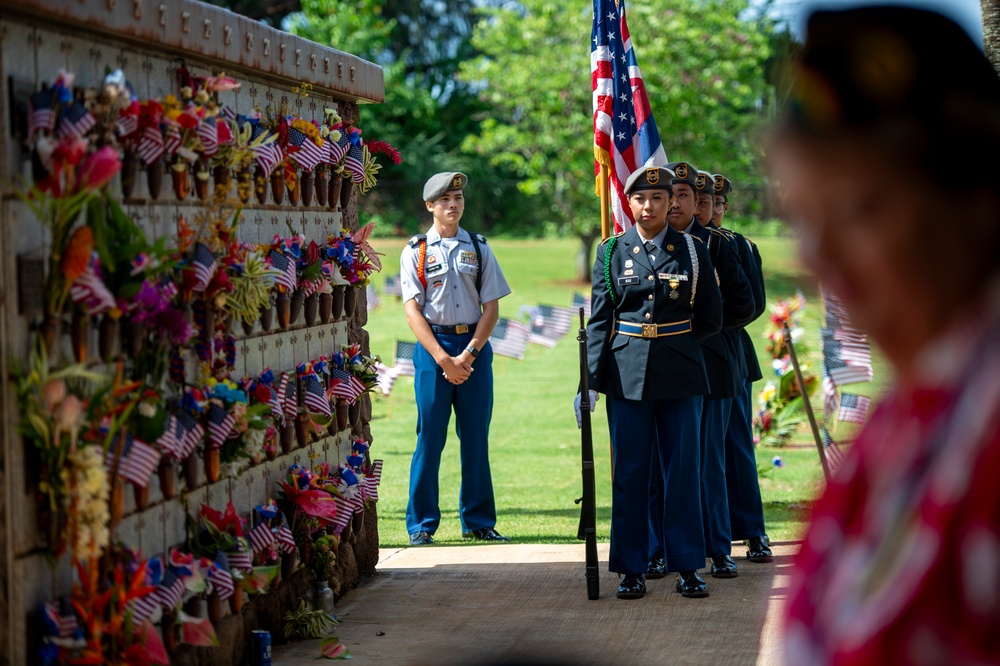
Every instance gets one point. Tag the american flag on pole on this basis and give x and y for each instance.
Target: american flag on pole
(509, 338)
(239, 558)
(556, 320)
(268, 155)
(170, 590)
(581, 301)
(834, 456)
(342, 515)
(220, 424)
(291, 397)
(62, 618)
(284, 538)
(287, 279)
(146, 607)
(625, 134)
(151, 146)
(208, 134)
(354, 162)
(404, 357)
(89, 292)
(128, 123)
(189, 431)
(853, 407)
(306, 154)
(261, 537)
(203, 263)
(315, 398)
(76, 121)
(540, 337)
(172, 139)
(829, 397)
(220, 576)
(274, 399)
(386, 377)
(137, 460)
(344, 384)
(41, 112)
(393, 286)
(337, 149)
(841, 370)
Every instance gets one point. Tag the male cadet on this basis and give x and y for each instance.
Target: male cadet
(451, 283)
(654, 296)
(721, 365)
(746, 511)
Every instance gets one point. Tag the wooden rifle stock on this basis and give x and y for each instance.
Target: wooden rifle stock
(588, 503)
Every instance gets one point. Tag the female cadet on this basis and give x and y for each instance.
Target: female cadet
(654, 297)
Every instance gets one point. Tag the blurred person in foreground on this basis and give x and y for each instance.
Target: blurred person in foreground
(888, 162)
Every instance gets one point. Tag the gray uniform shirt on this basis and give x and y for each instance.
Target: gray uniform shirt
(450, 270)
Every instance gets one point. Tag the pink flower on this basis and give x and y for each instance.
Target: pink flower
(221, 83)
(98, 168)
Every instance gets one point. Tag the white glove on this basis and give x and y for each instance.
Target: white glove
(576, 406)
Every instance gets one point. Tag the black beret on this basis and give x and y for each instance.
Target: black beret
(649, 178)
(683, 173)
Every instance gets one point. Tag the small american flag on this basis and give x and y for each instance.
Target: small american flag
(373, 479)
(267, 156)
(834, 456)
(76, 121)
(128, 124)
(404, 357)
(343, 514)
(151, 144)
(273, 400)
(41, 114)
(345, 385)
(336, 151)
(315, 398)
(239, 559)
(386, 377)
(220, 576)
(306, 154)
(853, 408)
(557, 320)
(220, 424)
(286, 542)
(189, 432)
(208, 134)
(228, 112)
(203, 263)
(137, 461)
(829, 397)
(393, 286)
(509, 338)
(540, 336)
(843, 370)
(354, 162)
(261, 537)
(581, 301)
(625, 133)
(172, 139)
(291, 397)
(90, 292)
(170, 590)
(280, 262)
(144, 608)
(64, 619)
(168, 441)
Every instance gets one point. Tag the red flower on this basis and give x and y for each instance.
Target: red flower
(98, 168)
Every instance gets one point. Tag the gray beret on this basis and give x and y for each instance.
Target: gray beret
(704, 182)
(722, 185)
(439, 183)
(683, 173)
(649, 178)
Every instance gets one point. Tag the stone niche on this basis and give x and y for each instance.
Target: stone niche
(147, 41)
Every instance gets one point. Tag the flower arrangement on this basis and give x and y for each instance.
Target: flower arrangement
(356, 258)
(781, 410)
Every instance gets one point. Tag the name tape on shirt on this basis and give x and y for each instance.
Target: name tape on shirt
(628, 280)
(435, 268)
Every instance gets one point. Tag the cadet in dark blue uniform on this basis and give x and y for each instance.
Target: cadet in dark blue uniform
(654, 297)
(746, 510)
(451, 283)
(722, 366)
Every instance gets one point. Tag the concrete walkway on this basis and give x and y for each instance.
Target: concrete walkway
(509, 604)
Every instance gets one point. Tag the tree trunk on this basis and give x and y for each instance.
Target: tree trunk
(583, 256)
(991, 31)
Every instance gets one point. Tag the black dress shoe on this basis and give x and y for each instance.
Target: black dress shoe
(691, 585)
(758, 550)
(723, 567)
(633, 586)
(656, 569)
(421, 539)
(484, 534)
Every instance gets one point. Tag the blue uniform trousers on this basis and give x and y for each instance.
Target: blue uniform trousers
(664, 431)
(714, 501)
(473, 404)
(746, 511)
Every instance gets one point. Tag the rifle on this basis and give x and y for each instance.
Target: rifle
(587, 531)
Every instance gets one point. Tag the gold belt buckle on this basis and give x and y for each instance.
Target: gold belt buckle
(649, 330)
(461, 328)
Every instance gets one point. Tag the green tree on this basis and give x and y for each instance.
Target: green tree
(704, 69)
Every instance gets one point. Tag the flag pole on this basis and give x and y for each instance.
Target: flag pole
(605, 203)
(805, 401)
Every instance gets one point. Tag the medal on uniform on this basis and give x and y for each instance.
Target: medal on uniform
(674, 283)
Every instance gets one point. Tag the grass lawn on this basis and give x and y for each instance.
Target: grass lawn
(534, 442)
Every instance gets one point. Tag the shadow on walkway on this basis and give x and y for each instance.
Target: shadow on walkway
(527, 604)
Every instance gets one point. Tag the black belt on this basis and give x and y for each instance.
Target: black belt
(457, 329)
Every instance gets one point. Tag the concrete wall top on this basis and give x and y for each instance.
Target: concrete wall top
(236, 44)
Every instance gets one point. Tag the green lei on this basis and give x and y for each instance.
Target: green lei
(607, 267)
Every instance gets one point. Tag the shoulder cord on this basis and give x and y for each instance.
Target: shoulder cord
(607, 268)
(421, 262)
(694, 266)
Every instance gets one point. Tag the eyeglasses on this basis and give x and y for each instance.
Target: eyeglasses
(719, 204)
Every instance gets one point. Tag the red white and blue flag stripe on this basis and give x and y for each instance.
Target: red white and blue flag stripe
(220, 576)
(90, 292)
(354, 162)
(337, 149)
(203, 263)
(287, 278)
(239, 559)
(625, 133)
(151, 147)
(137, 460)
(268, 155)
(189, 432)
(291, 397)
(261, 538)
(315, 398)
(345, 385)
(65, 623)
(208, 135)
(170, 590)
(76, 121)
(853, 407)
(41, 112)
(306, 154)
(220, 424)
